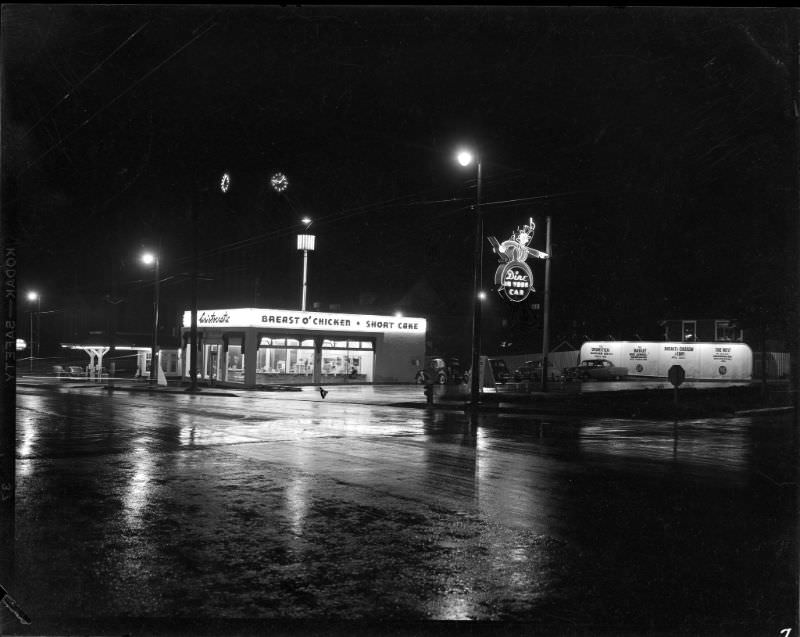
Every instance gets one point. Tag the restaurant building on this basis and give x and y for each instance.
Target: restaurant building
(251, 347)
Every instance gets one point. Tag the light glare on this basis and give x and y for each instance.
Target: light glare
(32, 296)
(148, 258)
(464, 158)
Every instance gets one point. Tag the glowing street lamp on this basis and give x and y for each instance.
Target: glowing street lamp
(465, 158)
(149, 258)
(34, 296)
(305, 242)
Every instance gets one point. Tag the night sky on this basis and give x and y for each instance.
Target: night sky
(661, 142)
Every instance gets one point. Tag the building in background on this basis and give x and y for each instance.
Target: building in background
(702, 329)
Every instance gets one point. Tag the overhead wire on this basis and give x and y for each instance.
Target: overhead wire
(347, 214)
(394, 203)
(361, 210)
(122, 94)
(73, 88)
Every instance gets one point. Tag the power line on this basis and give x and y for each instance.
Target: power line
(79, 84)
(120, 96)
(371, 209)
(537, 197)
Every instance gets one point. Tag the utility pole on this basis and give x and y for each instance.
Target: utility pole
(475, 379)
(546, 323)
(195, 267)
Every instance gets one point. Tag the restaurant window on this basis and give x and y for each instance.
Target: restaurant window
(285, 360)
(346, 359)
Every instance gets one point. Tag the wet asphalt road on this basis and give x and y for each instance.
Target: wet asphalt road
(286, 506)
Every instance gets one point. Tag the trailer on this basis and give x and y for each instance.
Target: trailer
(652, 359)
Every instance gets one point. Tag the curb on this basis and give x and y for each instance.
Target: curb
(113, 387)
(763, 410)
(184, 392)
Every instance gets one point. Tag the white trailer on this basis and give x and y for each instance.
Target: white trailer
(652, 359)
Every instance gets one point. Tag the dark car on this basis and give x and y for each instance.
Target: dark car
(440, 371)
(499, 370)
(597, 370)
(532, 370)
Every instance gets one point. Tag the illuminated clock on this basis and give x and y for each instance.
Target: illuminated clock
(279, 182)
(225, 183)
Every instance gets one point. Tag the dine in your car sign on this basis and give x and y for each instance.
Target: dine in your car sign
(513, 277)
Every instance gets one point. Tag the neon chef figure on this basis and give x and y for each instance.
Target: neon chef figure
(516, 248)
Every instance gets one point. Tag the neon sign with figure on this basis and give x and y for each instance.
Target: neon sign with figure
(513, 277)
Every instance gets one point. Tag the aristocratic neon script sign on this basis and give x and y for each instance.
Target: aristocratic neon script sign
(514, 278)
(293, 320)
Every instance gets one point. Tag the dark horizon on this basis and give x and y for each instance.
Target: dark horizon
(662, 143)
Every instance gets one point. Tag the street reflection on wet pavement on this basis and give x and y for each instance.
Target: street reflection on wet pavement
(293, 507)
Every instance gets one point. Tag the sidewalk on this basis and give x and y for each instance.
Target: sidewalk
(118, 384)
(631, 400)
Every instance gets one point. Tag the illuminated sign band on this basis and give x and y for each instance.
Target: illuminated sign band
(297, 320)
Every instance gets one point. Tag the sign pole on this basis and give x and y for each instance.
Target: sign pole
(193, 331)
(546, 324)
(676, 376)
(305, 279)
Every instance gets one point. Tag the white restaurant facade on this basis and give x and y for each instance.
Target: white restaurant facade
(252, 346)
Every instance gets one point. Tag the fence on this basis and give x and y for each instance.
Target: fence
(560, 360)
(778, 364)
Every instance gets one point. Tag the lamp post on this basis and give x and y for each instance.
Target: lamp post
(465, 158)
(34, 296)
(305, 242)
(149, 258)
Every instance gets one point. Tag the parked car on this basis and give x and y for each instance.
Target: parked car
(442, 372)
(499, 370)
(532, 370)
(597, 370)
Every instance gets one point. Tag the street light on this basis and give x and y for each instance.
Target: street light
(150, 258)
(305, 242)
(34, 296)
(466, 158)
